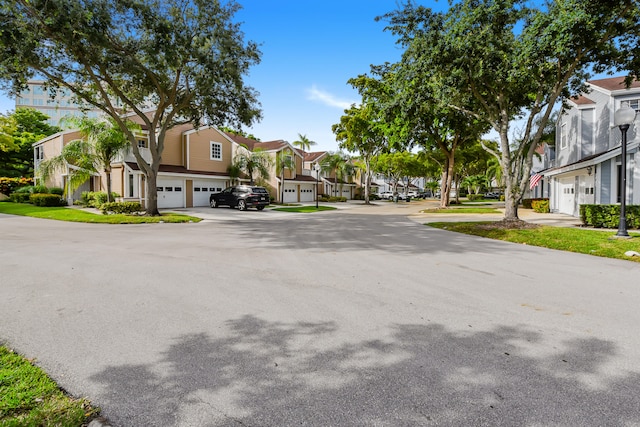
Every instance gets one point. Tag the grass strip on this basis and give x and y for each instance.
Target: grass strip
(305, 209)
(79, 215)
(28, 397)
(601, 243)
(465, 210)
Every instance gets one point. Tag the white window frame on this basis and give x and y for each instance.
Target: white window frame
(564, 138)
(218, 150)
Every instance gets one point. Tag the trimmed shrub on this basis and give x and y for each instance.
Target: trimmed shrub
(41, 189)
(608, 216)
(44, 199)
(95, 199)
(540, 206)
(127, 208)
(332, 199)
(527, 203)
(20, 197)
(56, 190)
(474, 197)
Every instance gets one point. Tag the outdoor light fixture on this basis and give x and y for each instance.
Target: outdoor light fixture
(623, 117)
(316, 167)
(589, 170)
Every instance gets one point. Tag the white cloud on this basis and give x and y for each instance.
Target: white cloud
(315, 94)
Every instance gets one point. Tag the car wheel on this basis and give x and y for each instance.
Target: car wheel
(213, 203)
(242, 205)
(260, 208)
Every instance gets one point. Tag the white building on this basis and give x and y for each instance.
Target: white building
(587, 168)
(60, 106)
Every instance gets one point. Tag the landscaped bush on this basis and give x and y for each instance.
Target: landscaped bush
(95, 199)
(331, 199)
(20, 197)
(540, 206)
(43, 199)
(474, 197)
(40, 189)
(56, 190)
(608, 216)
(121, 208)
(527, 203)
(10, 185)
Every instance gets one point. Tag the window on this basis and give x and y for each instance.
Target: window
(38, 101)
(633, 103)
(23, 101)
(196, 188)
(130, 185)
(37, 90)
(216, 151)
(142, 143)
(39, 153)
(564, 139)
(177, 188)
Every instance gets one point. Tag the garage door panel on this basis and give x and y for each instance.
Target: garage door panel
(170, 193)
(203, 189)
(306, 193)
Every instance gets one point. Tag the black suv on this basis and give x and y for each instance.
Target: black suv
(242, 196)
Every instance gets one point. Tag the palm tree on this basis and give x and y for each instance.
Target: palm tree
(284, 161)
(252, 162)
(304, 143)
(338, 164)
(102, 141)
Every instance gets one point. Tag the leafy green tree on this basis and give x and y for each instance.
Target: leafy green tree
(362, 129)
(86, 157)
(185, 59)
(21, 129)
(304, 143)
(516, 62)
(398, 167)
(253, 163)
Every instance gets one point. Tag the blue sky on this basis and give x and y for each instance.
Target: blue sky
(310, 48)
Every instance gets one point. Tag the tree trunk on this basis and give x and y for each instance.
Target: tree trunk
(107, 172)
(511, 198)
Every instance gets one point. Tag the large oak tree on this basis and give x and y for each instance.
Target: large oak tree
(166, 62)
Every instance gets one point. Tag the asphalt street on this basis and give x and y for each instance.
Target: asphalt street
(341, 318)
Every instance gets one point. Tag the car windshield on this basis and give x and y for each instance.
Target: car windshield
(259, 190)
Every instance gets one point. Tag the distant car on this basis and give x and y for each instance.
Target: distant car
(242, 197)
(413, 194)
(491, 195)
(386, 195)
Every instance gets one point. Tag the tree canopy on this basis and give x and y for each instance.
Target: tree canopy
(183, 60)
(18, 131)
(515, 62)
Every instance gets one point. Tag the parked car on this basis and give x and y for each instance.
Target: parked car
(386, 195)
(242, 197)
(492, 195)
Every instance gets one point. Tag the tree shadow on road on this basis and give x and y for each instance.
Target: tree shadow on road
(274, 374)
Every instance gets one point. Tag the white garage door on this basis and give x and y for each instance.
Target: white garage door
(203, 189)
(306, 193)
(290, 194)
(170, 193)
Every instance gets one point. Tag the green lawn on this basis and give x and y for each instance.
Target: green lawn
(465, 210)
(593, 242)
(28, 397)
(78, 215)
(305, 209)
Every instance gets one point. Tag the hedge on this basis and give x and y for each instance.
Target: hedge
(528, 203)
(96, 199)
(121, 208)
(43, 199)
(327, 199)
(474, 197)
(608, 216)
(540, 206)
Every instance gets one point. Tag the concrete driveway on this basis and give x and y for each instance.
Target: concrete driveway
(345, 318)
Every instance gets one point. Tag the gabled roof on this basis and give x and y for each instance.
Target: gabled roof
(312, 157)
(252, 144)
(581, 100)
(613, 83)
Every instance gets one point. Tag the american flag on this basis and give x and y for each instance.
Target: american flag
(533, 180)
